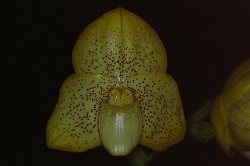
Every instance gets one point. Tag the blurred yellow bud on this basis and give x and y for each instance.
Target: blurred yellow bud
(230, 113)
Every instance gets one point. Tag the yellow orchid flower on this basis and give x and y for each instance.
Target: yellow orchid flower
(119, 96)
(230, 113)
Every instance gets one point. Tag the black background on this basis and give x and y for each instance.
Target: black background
(205, 41)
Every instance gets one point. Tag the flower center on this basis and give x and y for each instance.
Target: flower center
(120, 96)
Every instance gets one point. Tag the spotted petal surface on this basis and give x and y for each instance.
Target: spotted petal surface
(73, 126)
(163, 118)
(119, 44)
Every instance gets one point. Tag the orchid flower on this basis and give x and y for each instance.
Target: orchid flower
(230, 113)
(120, 95)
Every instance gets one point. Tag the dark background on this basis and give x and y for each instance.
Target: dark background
(205, 41)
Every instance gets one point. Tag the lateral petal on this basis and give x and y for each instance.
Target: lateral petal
(73, 126)
(163, 117)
